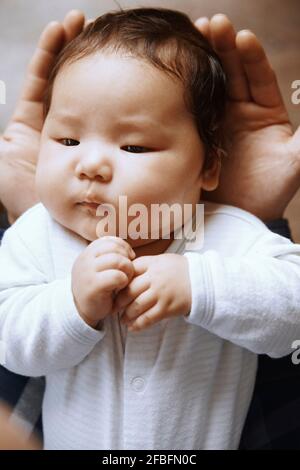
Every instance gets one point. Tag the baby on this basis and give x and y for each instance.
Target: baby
(145, 343)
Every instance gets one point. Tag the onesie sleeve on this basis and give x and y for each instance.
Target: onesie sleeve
(251, 300)
(41, 330)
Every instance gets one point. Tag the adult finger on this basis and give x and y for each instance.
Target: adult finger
(50, 43)
(260, 75)
(223, 38)
(203, 25)
(73, 24)
(89, 21)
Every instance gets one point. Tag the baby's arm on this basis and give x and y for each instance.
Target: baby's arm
(40, 328)
(253, 300)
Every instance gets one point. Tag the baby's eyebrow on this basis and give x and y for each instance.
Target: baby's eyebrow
(65, 118)
(122, 126)
(140, 125)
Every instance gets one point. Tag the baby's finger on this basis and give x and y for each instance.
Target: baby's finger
(141, 264)
(110, 247)
(113, 242)
(73, 24)
(149, 318)
(112, 279)
(137, 286)
(139, 306)
(121, 242)
(115, 261)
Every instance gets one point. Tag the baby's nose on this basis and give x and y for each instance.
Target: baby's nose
(94, 168)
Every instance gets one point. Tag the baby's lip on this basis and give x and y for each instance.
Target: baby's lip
(92, 204)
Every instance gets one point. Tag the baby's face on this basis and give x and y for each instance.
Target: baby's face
(116, 126)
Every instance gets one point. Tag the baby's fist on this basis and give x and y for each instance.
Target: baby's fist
(100, 271)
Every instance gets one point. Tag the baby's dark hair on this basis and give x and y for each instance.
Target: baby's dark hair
(168, 40)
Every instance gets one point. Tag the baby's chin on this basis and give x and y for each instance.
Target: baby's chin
(85, 229)
(90, 230)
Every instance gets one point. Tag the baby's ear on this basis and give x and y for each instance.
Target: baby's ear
(211, 173)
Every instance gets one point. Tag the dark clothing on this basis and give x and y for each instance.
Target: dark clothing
(273, 420)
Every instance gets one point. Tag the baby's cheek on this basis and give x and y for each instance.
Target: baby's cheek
(40, 179)
(47, 183)
(148, 191)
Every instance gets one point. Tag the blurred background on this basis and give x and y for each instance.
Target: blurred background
(276, 23)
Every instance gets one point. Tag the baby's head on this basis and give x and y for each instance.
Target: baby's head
(133, 108)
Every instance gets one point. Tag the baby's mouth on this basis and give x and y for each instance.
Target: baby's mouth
(96, 208)
(91, 205)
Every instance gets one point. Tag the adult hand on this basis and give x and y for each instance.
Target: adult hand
(12, 436)
(261, 173)
(19, 144)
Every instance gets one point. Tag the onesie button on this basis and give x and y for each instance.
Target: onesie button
(138, 384)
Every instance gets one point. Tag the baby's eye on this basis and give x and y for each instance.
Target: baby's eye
(69, 142)
(136, 149)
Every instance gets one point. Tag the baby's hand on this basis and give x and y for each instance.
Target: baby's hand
(160, 289)
(100, 271)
